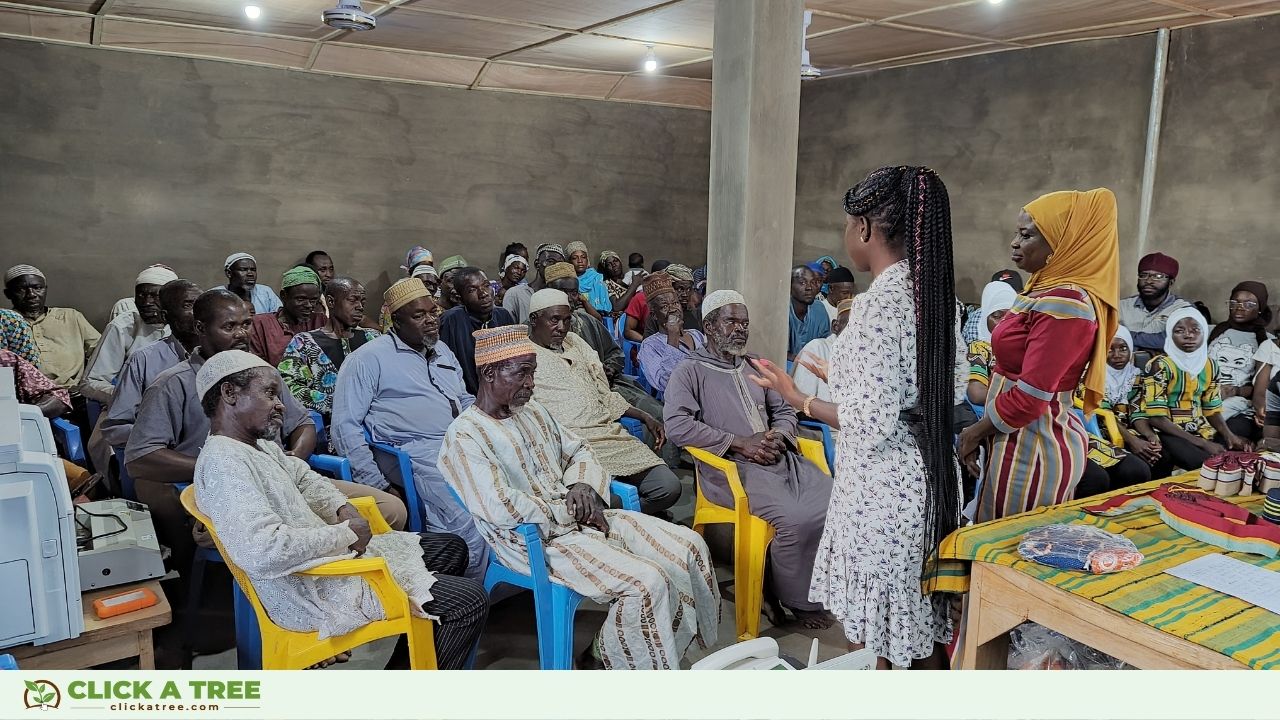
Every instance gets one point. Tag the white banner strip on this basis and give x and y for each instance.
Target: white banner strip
(373, 695)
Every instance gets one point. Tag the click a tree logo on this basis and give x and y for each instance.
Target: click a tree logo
(41, 694)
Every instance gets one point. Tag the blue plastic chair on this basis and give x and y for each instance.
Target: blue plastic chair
(126, 480)
(554, 604)
(978, 410)
(338, 468)
(629, 366)
(397, 468)
(1090, 422)
(93, 409)
(68, 437)
(828, 443)
(7, 662)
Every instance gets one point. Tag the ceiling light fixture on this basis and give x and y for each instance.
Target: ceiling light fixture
(807, 70)
(349, 16)
(253, 12)
(995, 2)
(650, 60)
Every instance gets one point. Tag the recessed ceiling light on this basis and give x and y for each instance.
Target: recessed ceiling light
(650, 60)
(995, 2)
(252, 11)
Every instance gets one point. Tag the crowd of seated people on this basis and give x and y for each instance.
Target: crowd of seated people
(507, 393)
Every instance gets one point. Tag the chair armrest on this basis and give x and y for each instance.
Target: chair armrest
(633, 426)
(368, 509)
(70, 436)
(537, 557)
(372, 570)
(730, 470)
(628, 494)
(815, 451)
(336, 467)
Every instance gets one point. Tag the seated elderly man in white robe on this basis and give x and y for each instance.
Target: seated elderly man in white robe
(276, 517)
(512, 463)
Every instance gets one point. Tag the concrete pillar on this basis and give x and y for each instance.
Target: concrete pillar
(755, 124)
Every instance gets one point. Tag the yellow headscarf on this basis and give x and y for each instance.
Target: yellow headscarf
(1081, 229)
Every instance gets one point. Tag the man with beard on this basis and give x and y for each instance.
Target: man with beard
(573, 386)
(171, 427)
(275, 517)
(513, 462)
(475, 311)
(1146, 313)
(712, 404)
(242, 279)
(300, 312)
(805, 325)
(405, 388)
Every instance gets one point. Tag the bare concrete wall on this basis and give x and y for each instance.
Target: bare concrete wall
(999, 129)
(1218, 180)
(110, 161)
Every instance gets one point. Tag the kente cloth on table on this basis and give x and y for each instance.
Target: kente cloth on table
(655, 577)
(1238, 629)
(1202, 515)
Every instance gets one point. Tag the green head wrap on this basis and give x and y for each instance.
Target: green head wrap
(300, 275)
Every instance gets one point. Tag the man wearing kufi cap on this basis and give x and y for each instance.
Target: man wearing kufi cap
(63, 337)
(127, 334)
(572, 384)
(448, 268)
(655, 577)
(712, 405)
(516, 301)
(1146, 314)
(275, 517)
(299, 312)
(242, 279)
(157, 274)
(404, 388)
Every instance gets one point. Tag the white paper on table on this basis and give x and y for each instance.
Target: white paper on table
(1233, 577)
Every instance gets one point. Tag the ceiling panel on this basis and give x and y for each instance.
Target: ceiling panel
(299, 18)
(558, 82)
(572, 14)
(50, 26)
(1106, 32)
(1234, 7)
(668, 90)
(410, 30)
(1253, 8)
(601, 53)
(880, 9)
(376, 62)
(935, 57)
(870, 43)
(686, 23)
(81, 5)
(693, 70)
(201, 42)
(1020, 18)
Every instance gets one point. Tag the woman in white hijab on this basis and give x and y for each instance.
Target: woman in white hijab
(997, 298)
(1112, 466)
(1181, 408)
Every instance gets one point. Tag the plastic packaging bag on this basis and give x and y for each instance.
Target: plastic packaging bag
(1034, 647)
(1079, 547)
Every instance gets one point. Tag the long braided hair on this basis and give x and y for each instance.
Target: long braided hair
(910, 205)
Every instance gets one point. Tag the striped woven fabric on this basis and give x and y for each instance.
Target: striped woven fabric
(1233, 627)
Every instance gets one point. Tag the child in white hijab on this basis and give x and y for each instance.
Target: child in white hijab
(997, 299)
(1181, 407)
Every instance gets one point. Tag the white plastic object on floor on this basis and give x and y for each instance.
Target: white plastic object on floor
(762, 654)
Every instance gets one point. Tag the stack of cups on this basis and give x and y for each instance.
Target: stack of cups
(1271, 508)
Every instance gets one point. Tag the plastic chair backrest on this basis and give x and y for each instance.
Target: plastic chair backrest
(397, 468)
(126, 480)
(68, 437)
(7, 662)
(828, 441)
(322, 435)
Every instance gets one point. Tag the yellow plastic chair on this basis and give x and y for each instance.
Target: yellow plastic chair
(1107, 419)
(288, 650)
(751, 534)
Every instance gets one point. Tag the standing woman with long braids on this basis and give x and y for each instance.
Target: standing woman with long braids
(897, 490)
(1059, 329)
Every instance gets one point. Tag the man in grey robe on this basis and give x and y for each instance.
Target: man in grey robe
(712, 405)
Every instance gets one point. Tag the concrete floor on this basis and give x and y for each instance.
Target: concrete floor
(510, 642)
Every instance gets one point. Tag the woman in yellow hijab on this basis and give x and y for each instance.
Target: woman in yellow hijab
(1056, 333)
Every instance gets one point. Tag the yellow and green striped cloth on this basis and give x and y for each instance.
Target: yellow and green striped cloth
(1233, 627)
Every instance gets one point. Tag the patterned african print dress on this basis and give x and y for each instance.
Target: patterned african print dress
(1038, 453)
(1188, 400)
(1101, 450)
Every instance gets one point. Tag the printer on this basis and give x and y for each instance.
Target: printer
(39, 568)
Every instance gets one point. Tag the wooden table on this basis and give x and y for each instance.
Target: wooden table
(103, 641)
(1001, 598)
